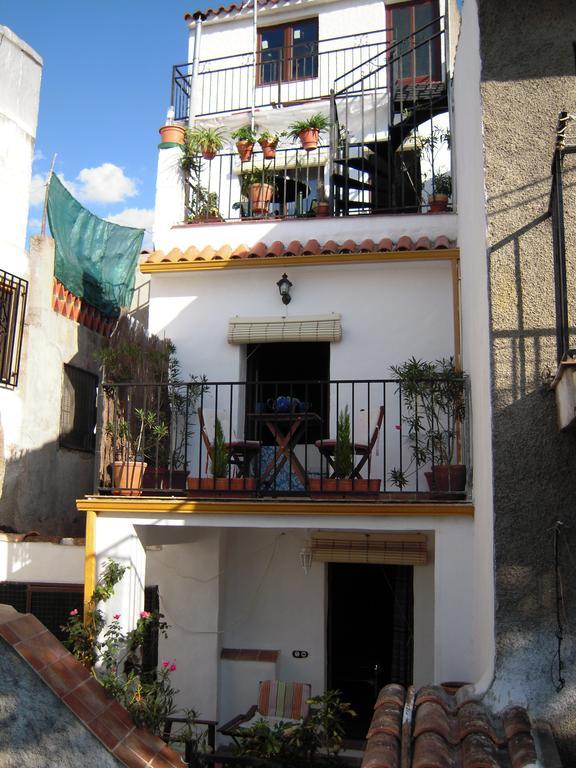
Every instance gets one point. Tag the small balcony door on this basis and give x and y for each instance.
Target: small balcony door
(415, 41)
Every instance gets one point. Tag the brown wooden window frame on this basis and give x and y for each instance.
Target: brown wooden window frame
(287, 52)
(436, 75)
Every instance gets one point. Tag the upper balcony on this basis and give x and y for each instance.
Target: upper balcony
(386, 148)
(400, 440)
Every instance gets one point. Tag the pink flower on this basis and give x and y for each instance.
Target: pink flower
(74, 612)
(116, 616)
(144, 614)
(397, 426)
(173, 668)
(165, 663)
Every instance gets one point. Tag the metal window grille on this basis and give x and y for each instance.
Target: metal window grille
(13, 294)
(50, 603)
(78, 409)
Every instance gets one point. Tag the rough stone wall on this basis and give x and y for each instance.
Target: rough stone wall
(528, 76)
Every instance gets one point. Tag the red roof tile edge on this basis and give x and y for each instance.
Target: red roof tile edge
(296, 248)
(65, 303)
(108, 721)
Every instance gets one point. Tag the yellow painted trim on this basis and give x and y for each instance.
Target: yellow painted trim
(89, 558)
(441, 254)
(127, 505)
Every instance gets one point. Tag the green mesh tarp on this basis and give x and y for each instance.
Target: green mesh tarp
(95, 259)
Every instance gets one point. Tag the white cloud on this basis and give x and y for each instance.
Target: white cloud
(106, 184)
(37, 189)
(38, 155)
(141, 218)
(34, 224)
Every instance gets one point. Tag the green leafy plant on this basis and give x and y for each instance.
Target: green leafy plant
(140, 442)
(183, 399)
(220, 459)
(343, 454)
(442, 184)
(316, 741)
(433, 408)
(204, 140)
(269, 137)
(115, 658)
(317, 122)
(244, 134)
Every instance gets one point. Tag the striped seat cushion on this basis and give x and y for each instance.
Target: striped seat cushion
(279, 699)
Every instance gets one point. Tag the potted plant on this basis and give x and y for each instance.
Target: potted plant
(433, 411)
(438, 200)
(172, 134)
(258, 187)
(131, 450)
(245, 139)
(309, 130)
(268, 141)
(207, 141)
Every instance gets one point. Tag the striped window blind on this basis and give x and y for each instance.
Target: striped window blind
(259, 330)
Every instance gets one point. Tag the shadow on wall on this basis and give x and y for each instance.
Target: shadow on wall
(534, 487)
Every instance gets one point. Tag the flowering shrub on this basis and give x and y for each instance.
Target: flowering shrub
(115, 659)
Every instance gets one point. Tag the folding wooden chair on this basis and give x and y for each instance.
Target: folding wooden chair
(241, 452)
(328, 448)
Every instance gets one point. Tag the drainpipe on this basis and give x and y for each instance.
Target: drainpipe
(255, 59)
(198, 17)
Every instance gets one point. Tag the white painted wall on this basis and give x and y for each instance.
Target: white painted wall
(475, 325)
(236, 581)
(34, 561)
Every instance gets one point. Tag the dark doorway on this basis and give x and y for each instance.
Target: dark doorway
(370, 634)
(293, 369)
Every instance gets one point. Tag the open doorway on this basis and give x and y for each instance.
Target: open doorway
(290, 369)
(369, 634)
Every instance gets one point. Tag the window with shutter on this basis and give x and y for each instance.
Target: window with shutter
(13, 293)
(78, 409)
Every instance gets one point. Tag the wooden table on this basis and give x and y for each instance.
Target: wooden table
(286, 429)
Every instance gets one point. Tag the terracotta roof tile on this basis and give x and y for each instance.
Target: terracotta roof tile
(386, 719)
(240, 252)
(442, 242)
(367, 246)
(431, 751)
(276, 249)
(311, 247)
(391, 694)
(516, 721)
(522, 751)
(295, 248)
(423, 244)
(405, 244)
(224, 9)
(259, 250)
(330, 246)
(382, 751)
(385, 245)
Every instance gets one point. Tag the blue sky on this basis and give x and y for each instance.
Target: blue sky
(105, 91)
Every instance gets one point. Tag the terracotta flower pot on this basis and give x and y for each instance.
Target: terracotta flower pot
(309, 138)
(438, 203)
(449, 478)
(268, 149)
(322, 209)
(260, 196)
(197, 485)
(173, 134)
(208, 154)
(330, 485)
(128, 477)
(159, 478)
(244, 150)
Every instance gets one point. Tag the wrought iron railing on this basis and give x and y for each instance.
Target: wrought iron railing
(287, 75)
(288, 185)
(339, 439)
(13, 296)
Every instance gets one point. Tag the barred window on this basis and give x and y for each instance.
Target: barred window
(13, 293)
(78, 409)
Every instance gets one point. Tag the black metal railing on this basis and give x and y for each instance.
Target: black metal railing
(391, 151)
(286, 186)
(300, 438)
(284, 75)
(13, 296)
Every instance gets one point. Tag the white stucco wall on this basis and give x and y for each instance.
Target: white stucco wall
(236, 581)
(34, 561)
(475, 324)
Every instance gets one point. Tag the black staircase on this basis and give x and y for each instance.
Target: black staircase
(379, 112)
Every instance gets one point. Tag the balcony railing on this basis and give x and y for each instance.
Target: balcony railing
(340, 439)
(387, 150)
(288, 75)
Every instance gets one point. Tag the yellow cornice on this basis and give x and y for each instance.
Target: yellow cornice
(442, 254)
(129, 505)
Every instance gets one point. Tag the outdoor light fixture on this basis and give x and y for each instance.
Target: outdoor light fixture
(284, 286)
(306, 559)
